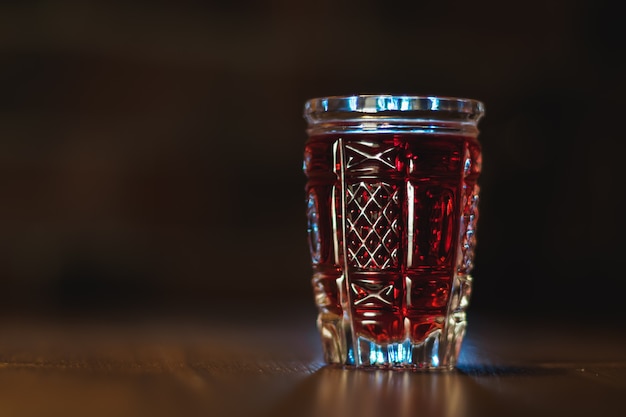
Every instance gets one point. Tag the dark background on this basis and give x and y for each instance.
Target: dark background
(150, 152)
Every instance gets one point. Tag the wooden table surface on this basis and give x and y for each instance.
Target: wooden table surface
(268, 366)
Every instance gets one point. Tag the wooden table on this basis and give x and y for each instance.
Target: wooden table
(258, 365)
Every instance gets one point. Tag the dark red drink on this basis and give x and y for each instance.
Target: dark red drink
(391, 226)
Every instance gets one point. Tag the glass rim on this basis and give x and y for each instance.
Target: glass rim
(371, 104)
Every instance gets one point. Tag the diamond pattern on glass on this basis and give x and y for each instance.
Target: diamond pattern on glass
(372, 225)
(370, 158)
(369, 294)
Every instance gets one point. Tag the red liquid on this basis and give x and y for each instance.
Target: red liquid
(410, 213)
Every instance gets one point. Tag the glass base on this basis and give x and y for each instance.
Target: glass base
(438, 351)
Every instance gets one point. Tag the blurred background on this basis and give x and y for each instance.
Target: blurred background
(150, 151)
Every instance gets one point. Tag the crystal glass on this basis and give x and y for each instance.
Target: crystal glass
(392, 205)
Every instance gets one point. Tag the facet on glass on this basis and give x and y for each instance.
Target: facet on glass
(392, 206)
